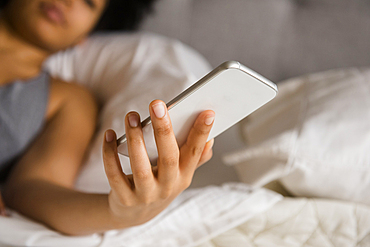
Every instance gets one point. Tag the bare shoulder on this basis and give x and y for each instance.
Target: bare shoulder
(62, 92)
(58, 151)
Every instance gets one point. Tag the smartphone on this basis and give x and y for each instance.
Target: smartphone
(231, 90)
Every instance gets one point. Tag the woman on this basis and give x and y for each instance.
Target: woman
(40, 184)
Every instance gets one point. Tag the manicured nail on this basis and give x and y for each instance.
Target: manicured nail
(109, 135)
(133, 119)
(159, 110)
(209, 119)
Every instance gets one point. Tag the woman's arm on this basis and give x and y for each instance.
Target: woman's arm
(41, 184)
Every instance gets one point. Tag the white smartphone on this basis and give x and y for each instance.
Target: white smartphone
(231, 90)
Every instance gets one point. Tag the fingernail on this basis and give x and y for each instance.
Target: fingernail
(159, 110)
(209, 119)
(212, 142)
(109, 136)
(133, 119)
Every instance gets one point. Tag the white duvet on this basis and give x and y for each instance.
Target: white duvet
(314, 139)
(194, 217)
(302, 222)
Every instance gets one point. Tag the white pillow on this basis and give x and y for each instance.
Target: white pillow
(125, 71)
(314, 137)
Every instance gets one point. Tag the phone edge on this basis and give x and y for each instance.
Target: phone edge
(201, 82)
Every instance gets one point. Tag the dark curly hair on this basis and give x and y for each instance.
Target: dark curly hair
(123, 15)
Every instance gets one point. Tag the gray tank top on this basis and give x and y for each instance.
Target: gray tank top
(23, 106)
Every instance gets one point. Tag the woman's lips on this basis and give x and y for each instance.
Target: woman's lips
(53, 13)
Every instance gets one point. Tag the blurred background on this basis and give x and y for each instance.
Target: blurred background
(279, 39)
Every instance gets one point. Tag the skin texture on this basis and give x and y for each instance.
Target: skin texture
(41, 183)
(28, 20)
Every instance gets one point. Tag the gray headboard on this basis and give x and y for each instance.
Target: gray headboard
(277, 38)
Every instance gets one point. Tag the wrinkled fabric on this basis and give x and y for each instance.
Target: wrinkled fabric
(302, 222)
(314, 137)
(192, 218)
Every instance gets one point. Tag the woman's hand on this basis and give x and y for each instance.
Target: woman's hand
(139, 197)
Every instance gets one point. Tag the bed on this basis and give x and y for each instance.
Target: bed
(127, 71)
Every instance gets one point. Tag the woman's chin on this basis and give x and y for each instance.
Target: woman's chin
(49, 37)
(46, 37)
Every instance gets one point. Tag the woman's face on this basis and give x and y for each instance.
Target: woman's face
(53, 24)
